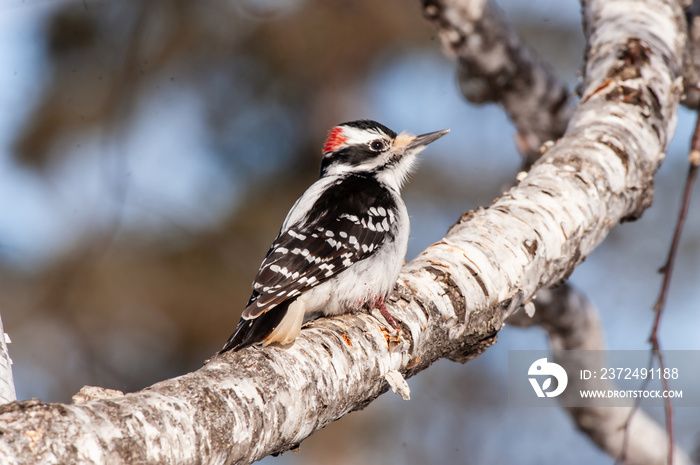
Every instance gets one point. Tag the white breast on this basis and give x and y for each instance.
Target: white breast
(364, 281)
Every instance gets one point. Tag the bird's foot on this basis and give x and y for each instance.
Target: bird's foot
(379, 304)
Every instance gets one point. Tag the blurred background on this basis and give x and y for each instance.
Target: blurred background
(149, 151)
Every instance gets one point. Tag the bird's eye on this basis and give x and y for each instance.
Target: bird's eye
(377, 145)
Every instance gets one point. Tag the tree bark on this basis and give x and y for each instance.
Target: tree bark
(572, 323)
(494, 66)
(7, 384)
(691, 68)
(451, 300)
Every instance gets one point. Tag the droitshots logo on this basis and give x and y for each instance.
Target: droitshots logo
(543, 370)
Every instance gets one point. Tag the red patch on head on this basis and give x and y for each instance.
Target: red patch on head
(335, 140)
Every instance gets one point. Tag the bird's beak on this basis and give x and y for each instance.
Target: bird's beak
(425, 139)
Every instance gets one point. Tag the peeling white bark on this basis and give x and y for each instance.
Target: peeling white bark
(691, 69)
(451, 300)
(398, 384)
(7, 384)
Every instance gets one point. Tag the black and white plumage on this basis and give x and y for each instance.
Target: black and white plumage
(343, 242)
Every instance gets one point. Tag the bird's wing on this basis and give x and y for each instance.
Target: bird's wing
(299, 260)
(326, 242)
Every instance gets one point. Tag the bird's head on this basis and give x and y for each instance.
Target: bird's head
(368, 147)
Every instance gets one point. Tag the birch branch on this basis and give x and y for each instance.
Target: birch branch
(451, 300)
(494, 66)
(475, 33)
(7, 384)
(572, 323)
(691, 69)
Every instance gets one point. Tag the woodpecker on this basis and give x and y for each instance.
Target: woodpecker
(343, 243)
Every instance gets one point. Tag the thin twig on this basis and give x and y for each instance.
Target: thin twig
(668, 406)
(667, 270)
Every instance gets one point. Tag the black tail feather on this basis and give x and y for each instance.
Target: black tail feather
(248, 332)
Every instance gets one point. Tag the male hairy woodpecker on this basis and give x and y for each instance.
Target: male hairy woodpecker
(343, 242)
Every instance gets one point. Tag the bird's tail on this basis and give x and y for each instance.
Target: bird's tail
(249, 332)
